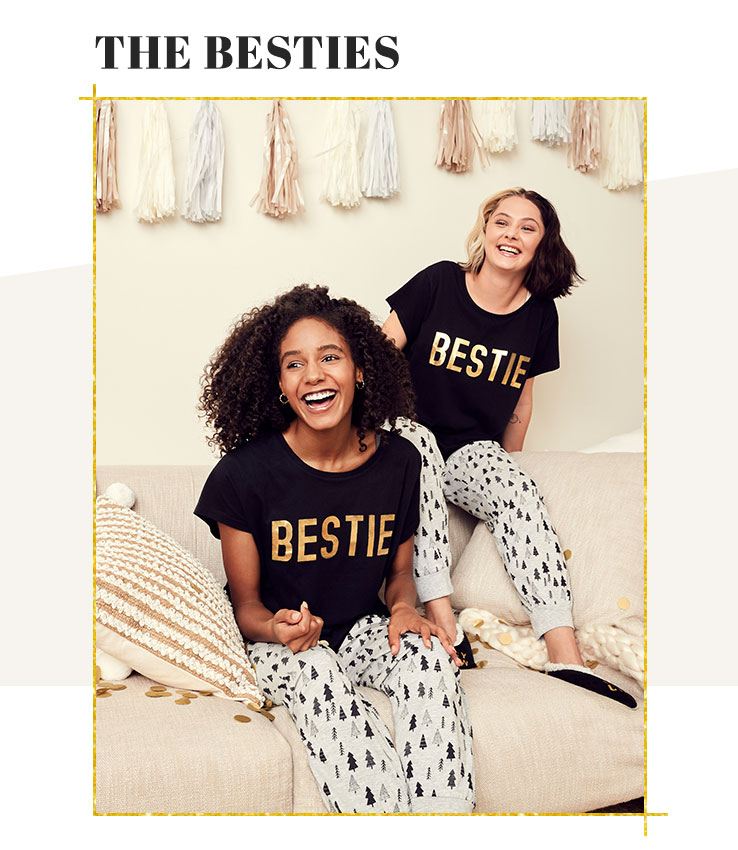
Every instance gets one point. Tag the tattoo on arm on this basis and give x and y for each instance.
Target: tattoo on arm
(514, 419)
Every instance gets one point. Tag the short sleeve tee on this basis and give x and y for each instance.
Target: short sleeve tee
(468, 365)
(328, 538)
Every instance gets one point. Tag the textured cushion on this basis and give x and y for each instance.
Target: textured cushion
(154, 755)
(162, 613)
(596, 505)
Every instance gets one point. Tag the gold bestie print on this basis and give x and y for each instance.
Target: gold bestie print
(496, 363)
(368, 536)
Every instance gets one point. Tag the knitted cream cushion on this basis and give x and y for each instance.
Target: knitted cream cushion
(595, 502)
(161, 612)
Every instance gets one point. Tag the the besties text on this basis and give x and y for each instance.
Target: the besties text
(365, 535)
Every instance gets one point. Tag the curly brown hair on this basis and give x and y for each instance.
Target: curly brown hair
(240, 386)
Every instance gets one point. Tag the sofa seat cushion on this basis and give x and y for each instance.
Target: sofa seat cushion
(540, 745)
(153, 755)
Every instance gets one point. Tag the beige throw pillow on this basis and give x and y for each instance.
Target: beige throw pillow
(161, 612)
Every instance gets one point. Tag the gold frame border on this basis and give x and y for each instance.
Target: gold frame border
(646, 814)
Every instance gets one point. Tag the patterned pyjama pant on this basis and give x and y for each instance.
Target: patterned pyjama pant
(483, 480)
(357, 766)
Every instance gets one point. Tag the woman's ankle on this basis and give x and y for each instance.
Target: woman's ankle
(439, 612)
(561, 646)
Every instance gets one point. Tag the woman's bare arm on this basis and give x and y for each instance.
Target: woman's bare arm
(517, 427)
(393, 330)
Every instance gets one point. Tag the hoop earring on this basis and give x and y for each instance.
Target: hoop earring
(283, 398)
(360, 385)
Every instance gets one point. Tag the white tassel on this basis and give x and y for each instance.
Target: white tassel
(203, 195)
(106, 179)
(623, 166)
(279, 194)
(549, 122)
(497, 125)
(156, 168)
(341, 183)
(380, 172)
(584, 150)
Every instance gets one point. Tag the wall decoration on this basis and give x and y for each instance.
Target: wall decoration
(584, 150)
(155, 199)
(623, 157)
(458, 137)
(204, 186)
(279, 194)
(106, 178)
(496, 124)
(549, 122)
(380, 176)
(341, 181)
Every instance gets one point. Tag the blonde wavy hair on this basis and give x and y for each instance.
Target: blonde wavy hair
(553, 271)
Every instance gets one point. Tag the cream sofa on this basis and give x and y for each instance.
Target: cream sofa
(540, 745)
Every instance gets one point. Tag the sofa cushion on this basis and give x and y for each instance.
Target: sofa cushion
(596, 505)
(154, 755)
(162, 613)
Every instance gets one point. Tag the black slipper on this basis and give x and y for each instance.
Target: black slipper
(464, 651)
(576, 675)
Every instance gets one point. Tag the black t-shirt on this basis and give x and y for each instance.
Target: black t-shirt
(328, 538)
(469, 365)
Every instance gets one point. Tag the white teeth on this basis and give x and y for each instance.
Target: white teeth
(508, 249)
(320, 396)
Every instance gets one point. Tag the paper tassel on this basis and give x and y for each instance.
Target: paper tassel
(204, 186)
(279, 194)
(106, 180)
(497, 125)
(584, 150)
(341, 183)
(458, 137)
(549, 122)
(380, 171)
(623, 161)
(155, 168)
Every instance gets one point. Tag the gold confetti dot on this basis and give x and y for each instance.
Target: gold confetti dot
(624, 603)
(158, 694)
(253, 707)
(505, 639)
(242, 718)
(475, 650)
(481, 663)
(478, 624)
(592, 664)
(182, 701)
(567, 554)
(206, 693)
(268, 704)
(157, 688)
(103, 692)
(110, 686)
(485, 644)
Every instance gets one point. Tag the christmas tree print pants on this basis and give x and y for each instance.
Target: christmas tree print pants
(483, 480)
(357, 766)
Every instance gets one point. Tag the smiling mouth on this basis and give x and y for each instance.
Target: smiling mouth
(508, 250)
(320, 400)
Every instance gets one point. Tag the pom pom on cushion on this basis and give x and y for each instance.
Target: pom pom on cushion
(162, 613)
(121, 495)
(111, 670)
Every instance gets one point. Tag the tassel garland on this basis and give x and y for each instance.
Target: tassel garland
(458, 137)
(584, 150)
(623, 160)
(106, 180)
(341, 183)
(380, 172)
(497, 126)
(279, 194)
(156, 168)
(549, 122)
(204, 186)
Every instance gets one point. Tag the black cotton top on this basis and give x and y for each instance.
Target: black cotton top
(328, 538)
(469, 365)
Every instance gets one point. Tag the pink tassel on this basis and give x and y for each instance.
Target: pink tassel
(458, 137)
(279, 194)
(584, 148)
(106, 184)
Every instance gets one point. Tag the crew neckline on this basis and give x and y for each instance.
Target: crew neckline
(467, 296)
(379, 436)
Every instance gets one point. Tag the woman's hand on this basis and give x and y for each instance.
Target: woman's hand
(404, 618)
(297, 630)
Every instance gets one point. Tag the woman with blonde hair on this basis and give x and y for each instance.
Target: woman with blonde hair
(476, 335)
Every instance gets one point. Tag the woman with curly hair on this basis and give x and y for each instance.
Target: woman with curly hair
(476, 335)
(316, 505)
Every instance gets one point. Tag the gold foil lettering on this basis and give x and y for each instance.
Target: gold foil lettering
(354, 519)
(440, 347)
(456, 353)
(279, 541)
(303, 538)
(498, 353)
(372, 520)
(519, 371)
(325, 552)
(384, 533)
(479, 364)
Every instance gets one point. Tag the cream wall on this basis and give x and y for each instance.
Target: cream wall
(167, 293)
